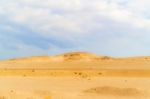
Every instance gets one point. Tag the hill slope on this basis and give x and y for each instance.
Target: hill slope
(72, 56)
(77, 60)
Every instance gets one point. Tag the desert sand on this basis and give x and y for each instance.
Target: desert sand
(75, 75)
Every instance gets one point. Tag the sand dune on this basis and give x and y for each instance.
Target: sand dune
(78, 56)
(77, 60)
(72, 56)
(75, 75)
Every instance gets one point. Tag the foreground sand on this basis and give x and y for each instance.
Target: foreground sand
(74, 88)
(75, 76)
(74, 84)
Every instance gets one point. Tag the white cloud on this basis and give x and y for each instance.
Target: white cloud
(78, 20)
(72, 15)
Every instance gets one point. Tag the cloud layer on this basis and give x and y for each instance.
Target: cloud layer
(107, 27)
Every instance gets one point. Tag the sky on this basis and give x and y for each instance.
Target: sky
(118, 28)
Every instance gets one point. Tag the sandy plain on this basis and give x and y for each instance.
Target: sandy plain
(76, 75)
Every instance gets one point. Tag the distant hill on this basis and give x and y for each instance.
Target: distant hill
(77, 60)
(82, 56)
(72, 56)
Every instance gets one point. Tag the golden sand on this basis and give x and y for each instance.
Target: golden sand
(77, 75)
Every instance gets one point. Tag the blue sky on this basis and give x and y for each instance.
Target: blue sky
(116, 28)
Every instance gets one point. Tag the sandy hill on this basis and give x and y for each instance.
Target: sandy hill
(78, 60)
(72, 56)
(82, 56)
(78, 56)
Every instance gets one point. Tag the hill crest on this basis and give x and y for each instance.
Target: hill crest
(71, 56)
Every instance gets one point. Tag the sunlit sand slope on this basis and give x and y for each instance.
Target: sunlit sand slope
(77, 60)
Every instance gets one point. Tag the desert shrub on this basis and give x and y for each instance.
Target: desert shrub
(33, 70)
(80, 73)
(105, 58)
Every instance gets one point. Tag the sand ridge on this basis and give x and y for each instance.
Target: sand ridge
(72, 56)
(79, 56)
(77, 60)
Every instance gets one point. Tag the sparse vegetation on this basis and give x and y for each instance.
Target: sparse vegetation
(33, 70)
(105, 58)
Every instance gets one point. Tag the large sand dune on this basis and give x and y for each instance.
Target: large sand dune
(75, 75)
(77, 60)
